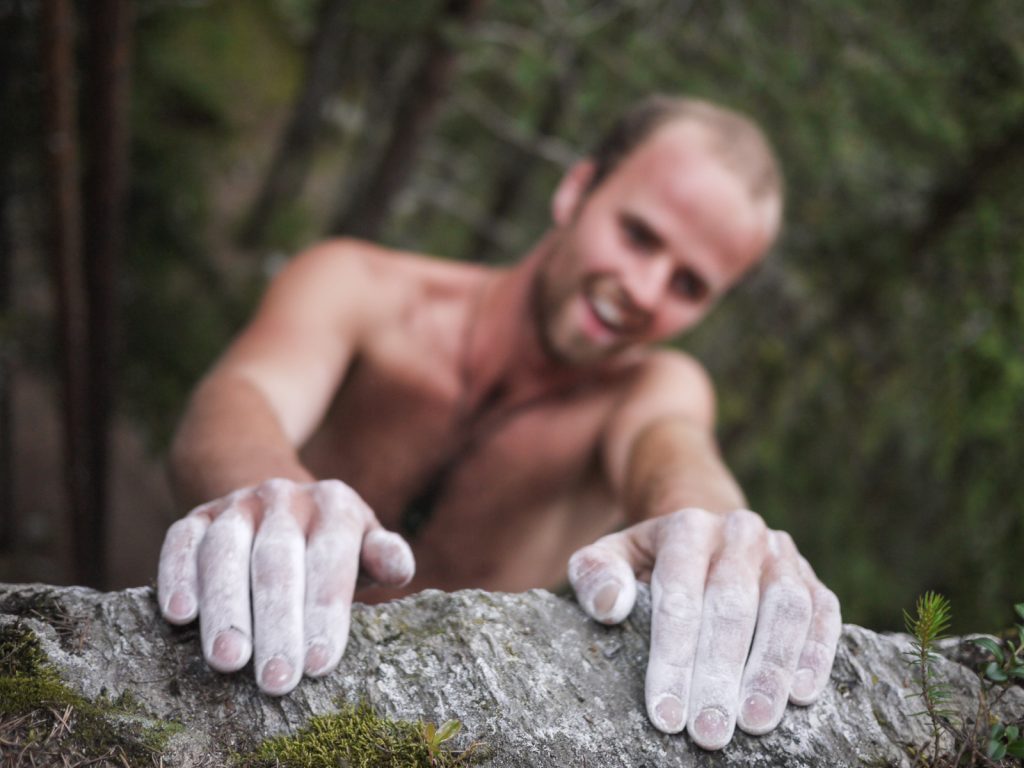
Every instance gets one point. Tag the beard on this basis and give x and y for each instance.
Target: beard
(552, 296)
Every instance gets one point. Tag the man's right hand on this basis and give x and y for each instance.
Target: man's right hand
(300, 546)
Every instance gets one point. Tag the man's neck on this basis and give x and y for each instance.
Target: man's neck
(505, 364)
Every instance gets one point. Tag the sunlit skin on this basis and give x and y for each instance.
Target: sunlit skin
(365, 369)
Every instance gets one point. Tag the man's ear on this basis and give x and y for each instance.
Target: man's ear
(571, 191)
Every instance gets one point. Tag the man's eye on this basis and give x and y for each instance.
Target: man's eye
(639, 235)
(686, 284)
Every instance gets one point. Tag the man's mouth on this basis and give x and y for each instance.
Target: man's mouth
(613, 308)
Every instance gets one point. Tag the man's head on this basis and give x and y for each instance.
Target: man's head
(675, 204)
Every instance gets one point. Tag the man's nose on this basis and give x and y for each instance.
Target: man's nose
(648, 281)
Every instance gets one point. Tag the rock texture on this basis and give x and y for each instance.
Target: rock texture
(528, 674)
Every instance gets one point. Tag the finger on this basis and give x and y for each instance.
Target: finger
(602, 574)
(684, 546)
(225, 624)
(332, 563)
(782, 623)
(819, 650)
(727, 626)
(387, 558)
(278, 587)
(177, 580)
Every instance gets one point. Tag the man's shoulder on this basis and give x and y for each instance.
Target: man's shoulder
(365, 265)
(664, 367)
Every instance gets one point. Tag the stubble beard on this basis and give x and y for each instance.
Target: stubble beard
(548, 303)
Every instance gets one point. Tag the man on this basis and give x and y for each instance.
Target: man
(501, 419)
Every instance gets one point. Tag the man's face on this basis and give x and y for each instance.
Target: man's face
(646, 254)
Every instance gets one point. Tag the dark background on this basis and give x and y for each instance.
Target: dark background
(871, 372)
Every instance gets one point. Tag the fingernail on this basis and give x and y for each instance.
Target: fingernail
(317, 658)
(668, 714)
(803, 684)
(228, 651)
(711, 729)
(605, 599)
(181, 605)
(757, 712)
(276, 676)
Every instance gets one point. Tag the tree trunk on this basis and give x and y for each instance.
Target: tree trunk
(294, 153)
(9, 32)
(108, 137)
(368, 209)
(60, 141)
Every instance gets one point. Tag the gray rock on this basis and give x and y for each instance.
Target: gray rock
(527, 674)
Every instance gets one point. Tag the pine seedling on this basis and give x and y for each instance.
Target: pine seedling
(927, 627)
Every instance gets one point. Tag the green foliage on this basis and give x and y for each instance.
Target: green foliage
(357, 737)
(1006, 668)
(927, 626)
(970, 738)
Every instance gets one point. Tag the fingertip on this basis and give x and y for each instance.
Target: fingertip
(229, 651)
(757, 715)
(667, 713)
(611, 601)
(278, 676)
(711, 729)
(388, 558)
(322, 657)
(180, 608)
(804, 689)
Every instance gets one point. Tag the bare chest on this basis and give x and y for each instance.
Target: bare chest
(496, 498)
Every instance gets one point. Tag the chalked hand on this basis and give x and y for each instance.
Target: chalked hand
(739, 622)
(270, 571)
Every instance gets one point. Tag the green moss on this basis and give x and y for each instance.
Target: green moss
(357, 737)
(47, 719)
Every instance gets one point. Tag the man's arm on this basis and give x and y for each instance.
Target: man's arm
(739, 622)
(269, 559)
(271, 387)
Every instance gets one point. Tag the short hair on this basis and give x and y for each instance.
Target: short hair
(735, 138)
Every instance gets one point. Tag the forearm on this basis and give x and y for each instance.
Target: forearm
(229, 438)
(674, 464)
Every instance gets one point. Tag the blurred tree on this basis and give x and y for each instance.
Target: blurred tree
(871, 373)
(110, 24)
(294, 153)
(61, 145)
(367, 210)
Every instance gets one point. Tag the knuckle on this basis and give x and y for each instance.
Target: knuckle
(732, 604)
(782, 545)
(745, 529)
(679, 605)
(586, 561)
(333, 485)
(691, 518)
(790, 602)
(745, 519)
(275, 486)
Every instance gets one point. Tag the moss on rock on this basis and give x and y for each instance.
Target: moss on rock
(46, 720)
(357, 737)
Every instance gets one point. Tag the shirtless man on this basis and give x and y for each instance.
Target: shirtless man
(493, 425)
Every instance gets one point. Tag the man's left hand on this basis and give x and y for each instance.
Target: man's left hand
(739, 622)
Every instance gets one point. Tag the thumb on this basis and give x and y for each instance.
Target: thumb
(386, 557)
(602, 574)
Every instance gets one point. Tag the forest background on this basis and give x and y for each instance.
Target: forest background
(871, 372)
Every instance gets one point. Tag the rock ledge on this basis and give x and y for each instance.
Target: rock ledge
(528, 674)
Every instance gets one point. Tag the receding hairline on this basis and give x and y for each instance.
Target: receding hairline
(733, 137)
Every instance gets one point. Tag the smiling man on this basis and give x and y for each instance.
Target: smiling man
(389, 422)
